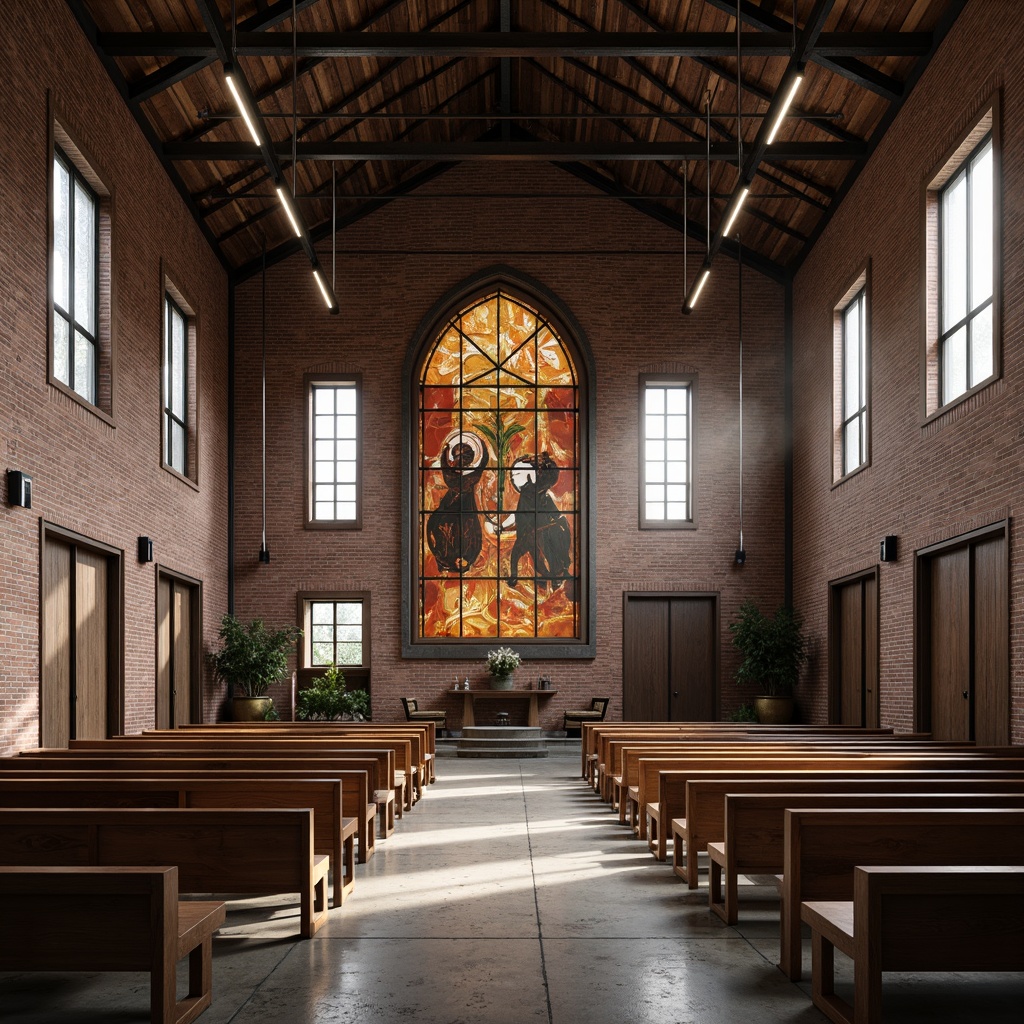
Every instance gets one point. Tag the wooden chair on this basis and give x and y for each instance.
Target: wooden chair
(413, 713)
(573, 720)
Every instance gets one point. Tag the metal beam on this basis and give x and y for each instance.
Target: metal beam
(557, 152)
(199, 45)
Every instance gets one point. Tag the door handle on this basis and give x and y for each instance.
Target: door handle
(675, 693)
(965, 695)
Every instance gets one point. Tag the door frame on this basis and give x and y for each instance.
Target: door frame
(196, 626)
(922, 612)
(115, 624)
(834, 652)
(716, 604)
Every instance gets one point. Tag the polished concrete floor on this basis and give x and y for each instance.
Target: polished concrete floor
(509, 894)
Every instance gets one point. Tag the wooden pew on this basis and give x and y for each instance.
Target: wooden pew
(671, 785)
(111, 789)
(221, 850)
(275, 763)
(943, 918)
(753, 841)
(822, 847)
(111, 919)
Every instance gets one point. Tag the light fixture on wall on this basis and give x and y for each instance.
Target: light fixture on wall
(19, 489)
(145, 549)
(887, 549)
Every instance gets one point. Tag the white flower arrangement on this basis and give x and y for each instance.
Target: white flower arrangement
(502, 662)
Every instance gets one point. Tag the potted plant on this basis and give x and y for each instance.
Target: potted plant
(773, 651)
(251, 659)
(327, 699)
(502, 665)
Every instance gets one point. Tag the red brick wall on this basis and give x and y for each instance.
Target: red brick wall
(926, 482)
(628, 305)
(103, 482)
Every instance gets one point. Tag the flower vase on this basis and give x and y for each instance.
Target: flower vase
(503, 682)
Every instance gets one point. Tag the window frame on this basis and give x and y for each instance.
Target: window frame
(169, 292)
(688, 380)
(306, 672)
(984, 125)
(64, 146)
(172, 312)
(335, 380)
(859, 288)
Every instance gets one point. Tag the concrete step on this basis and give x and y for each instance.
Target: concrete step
(502, 752)
(501, 741)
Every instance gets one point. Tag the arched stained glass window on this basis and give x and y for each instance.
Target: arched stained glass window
(499, 479)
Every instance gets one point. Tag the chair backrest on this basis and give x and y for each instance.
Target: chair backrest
(409, 703)
(600, 704)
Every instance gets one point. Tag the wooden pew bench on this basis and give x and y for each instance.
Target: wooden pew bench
(753, 843)
(223, 851)
(941, 918)
(111, 919)
(822, 847)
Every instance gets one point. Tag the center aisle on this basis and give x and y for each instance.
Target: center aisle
(511, 894)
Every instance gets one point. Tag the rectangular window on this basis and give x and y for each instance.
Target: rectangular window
(76, 253)
(965, 276)
(333, 467)
(175, 386)
(855, 402)
(335, 631)
(666, 450)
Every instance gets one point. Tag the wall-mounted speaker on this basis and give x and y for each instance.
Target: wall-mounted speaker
(887, 549)
(19, 489)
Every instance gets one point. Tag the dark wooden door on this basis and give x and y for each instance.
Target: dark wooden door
(963, 640)
(853, 651)
(670, 657)
(79, 690)
(177, 672)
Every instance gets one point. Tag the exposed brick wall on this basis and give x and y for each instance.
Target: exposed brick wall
(926, 482)
(103, 482)
(628, 305)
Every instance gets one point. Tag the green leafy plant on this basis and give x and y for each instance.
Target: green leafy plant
(744, 713)
(326, 699)
(502, 662)
(252, 658)
(356, 703)
(773, 649)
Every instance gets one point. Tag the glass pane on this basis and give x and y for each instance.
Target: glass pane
(321, 612)
(954, 366)
(676, 451)
(350, 654)
(982, 361)
(346, 451)
(654, 472)
(323, 654)
(61, 349)
(655, 510)
(346, 401)
(675, 426)
(85, 259)
(654, 451)
(346, 426)
(676, 401)
(851, 446)
(954, 252)
(323, 450)
(324, 492)
(347, 510)
(676, 472)
(346, 472)
(350, 634)
(323, 634)
(178, 358)
(61, 234)
(85, 368)
(655, 492)
(349, 612)
(323, 426)
(676, 492)
(323, 401)
(323, 510)
(178, 447)
(323, 472)
(981, 226)
(676, 510)
(654, 401)
(654, 426)
(346, 492)
(851, 359)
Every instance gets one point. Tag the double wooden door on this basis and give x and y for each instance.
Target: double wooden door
(670, 657)
(853, 650)
(963, 677)
(178, 634)
(80, 678)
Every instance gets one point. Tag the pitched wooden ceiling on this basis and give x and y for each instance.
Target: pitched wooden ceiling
(376, 96)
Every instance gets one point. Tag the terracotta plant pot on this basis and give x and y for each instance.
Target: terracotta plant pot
(774, 710)
(250, 709)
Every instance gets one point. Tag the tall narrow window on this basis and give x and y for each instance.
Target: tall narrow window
(75, 279)
(333, 468)
(854, 383)
(175, 386)
(966, 278)
(666, 455)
